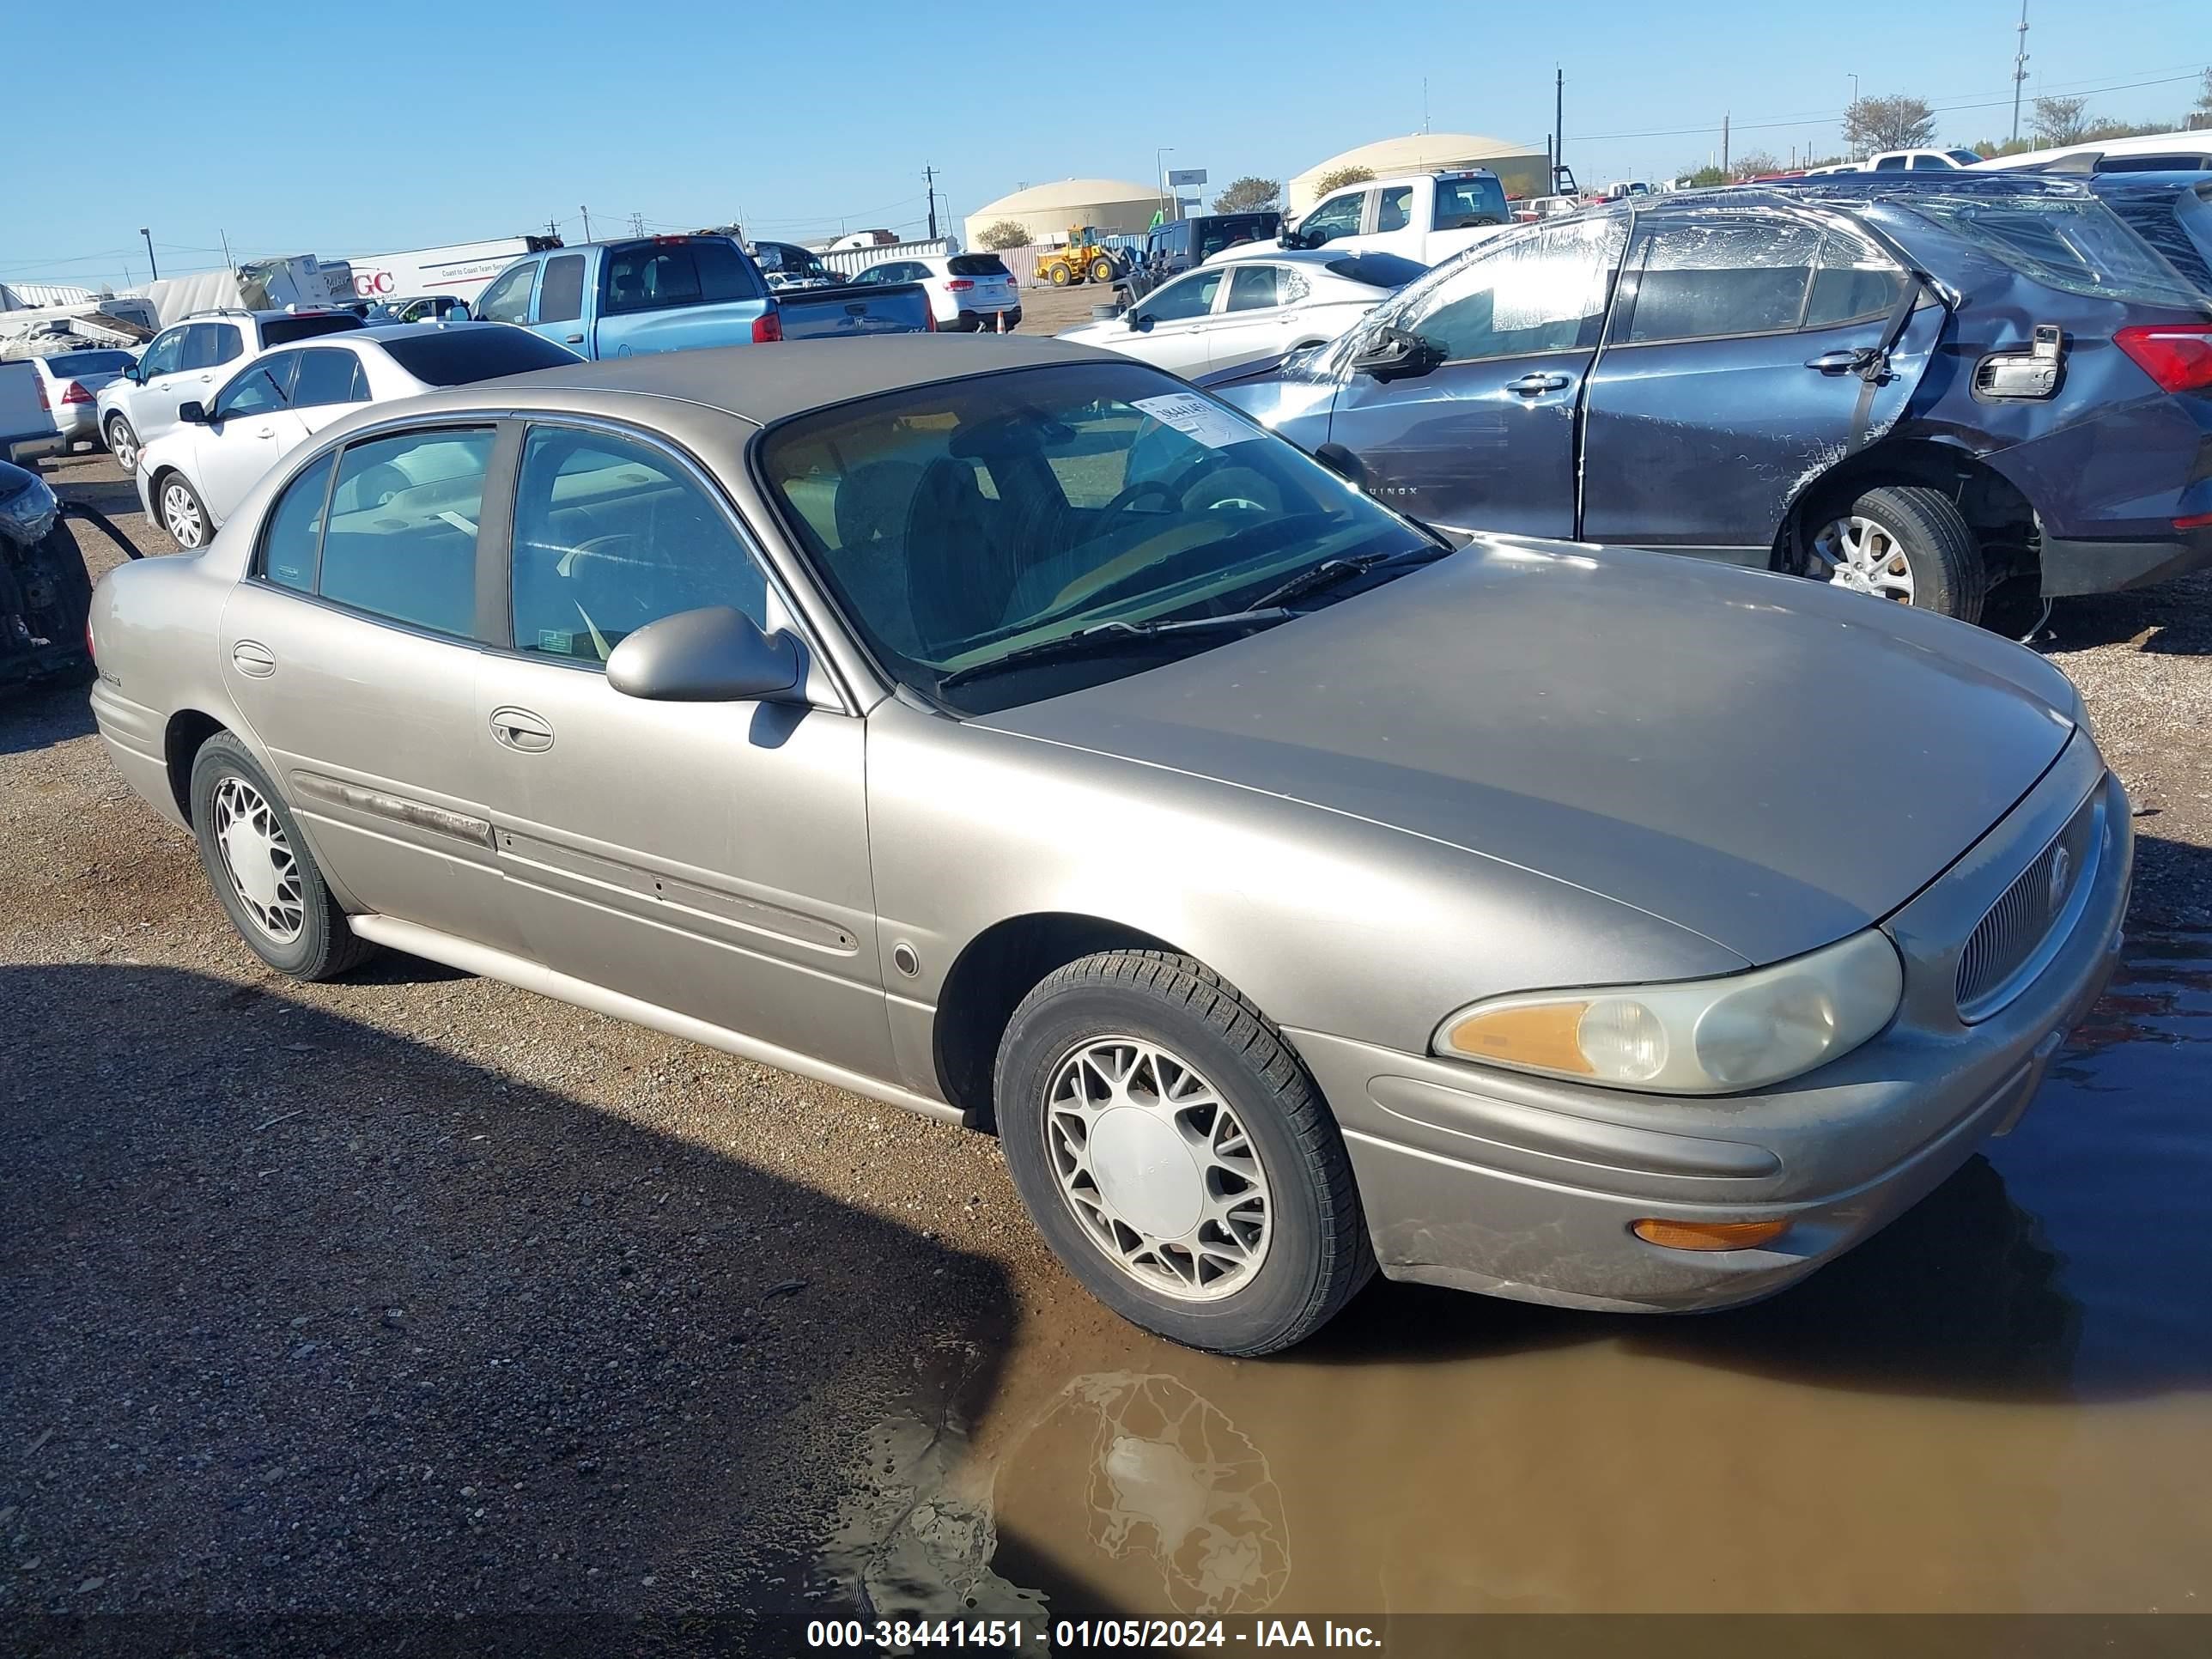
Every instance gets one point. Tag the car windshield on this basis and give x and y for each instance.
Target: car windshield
(87, 362)
(2073, 243)
(1234, 230)
(958, 523)
(457, 356)
(1464, 202)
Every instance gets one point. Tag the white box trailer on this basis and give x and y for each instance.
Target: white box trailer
(461, 269)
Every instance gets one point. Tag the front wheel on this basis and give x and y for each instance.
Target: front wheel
(183, 515)
(1103, 271)
(1061, 275)
(122, 443)
(1906, 543)
(1175, 1155)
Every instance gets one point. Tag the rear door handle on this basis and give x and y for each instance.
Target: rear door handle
(517, 728)
(253, 659)
(1834, 362)
(575, 339)
(1530, 386)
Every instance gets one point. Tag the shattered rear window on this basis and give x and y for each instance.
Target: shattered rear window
(2074, 244)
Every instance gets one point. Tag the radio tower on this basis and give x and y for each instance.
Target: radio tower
(2019, 70)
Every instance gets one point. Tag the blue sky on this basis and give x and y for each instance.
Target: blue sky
(349, 129)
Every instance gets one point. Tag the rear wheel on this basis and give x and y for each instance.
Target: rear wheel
(122, 443)
(182, 515)
(1177, 1156)
(1905, 543)
(263, 872)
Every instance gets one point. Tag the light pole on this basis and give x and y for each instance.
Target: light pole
(1160, 174)
(1848, 144)
(149, 235)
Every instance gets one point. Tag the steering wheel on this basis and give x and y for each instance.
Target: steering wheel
(1109, 515)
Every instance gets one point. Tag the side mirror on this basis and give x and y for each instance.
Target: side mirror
(194, 414)
(131, 373)
(718, 654)
(1141, 321)
(1394, 353)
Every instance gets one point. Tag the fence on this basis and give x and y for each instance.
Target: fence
(1022, 262)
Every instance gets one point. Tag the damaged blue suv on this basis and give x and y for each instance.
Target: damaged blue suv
(1916, 390)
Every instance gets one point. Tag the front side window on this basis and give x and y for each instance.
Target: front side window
(262, 387)
(295, 530)
(1708, 277)
(958, 523)
(1184, 298)
(327, 375)
(164, 357)
(401, 539)
(507, 300)
(1541, 290)
(1337, 216)
(1394, 209)
(611, 534)
(560, 296)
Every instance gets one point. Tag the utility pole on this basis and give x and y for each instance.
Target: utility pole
(586, 212)
(1425, 103)
(151, 263)
(1724, 147)
(2019, 70)
(225, 236)
(636, 223)
(1160, 172)
(1559, 129)
(1850, 148)
(929, 180)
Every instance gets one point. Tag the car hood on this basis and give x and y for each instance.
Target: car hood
(1767, 762)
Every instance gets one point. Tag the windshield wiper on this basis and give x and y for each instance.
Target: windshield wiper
(1108, 637)
(1330, 572)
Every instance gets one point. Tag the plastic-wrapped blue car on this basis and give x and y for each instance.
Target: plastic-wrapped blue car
(1914, 390)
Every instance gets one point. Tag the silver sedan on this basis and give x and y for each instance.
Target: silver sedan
(1009, 732)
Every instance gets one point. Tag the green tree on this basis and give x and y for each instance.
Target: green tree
(1248, 195)
(1752, 164)
(1895, 121)
(1705, 178)
(1005, 234)
(1338, 178)
(2059, 121)
(2200, 117)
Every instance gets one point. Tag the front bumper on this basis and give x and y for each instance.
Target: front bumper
(1526, 1187)
(2074, 567)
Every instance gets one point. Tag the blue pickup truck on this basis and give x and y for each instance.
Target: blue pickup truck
(672, 293)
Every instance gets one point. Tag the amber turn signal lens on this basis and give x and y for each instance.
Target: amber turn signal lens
(1708, 1235)
(1541, 1034)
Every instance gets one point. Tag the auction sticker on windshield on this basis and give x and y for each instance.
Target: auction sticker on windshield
(1194, 417)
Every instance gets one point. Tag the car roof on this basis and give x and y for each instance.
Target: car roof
(764, 384)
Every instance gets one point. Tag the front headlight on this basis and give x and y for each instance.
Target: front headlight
(1697, 1036)
(29, 512)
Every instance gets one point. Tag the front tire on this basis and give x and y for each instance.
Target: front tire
(122, 443)
(1177, 1156)
(266, 879)
(1103, 271)
(182, 513)
(1906, 543)
(1061, 275)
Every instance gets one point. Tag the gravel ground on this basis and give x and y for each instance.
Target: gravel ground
(416, 1293)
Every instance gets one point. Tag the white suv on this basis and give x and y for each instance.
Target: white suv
(180, 365)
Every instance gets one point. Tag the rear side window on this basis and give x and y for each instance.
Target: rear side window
(2075, 244)
(976, 264)
(328, 376)
(1258, 288)
(1854, 281)
(611, 535)
(1709, 278)
(67, 363)
(207, 344)
(281, 330)
(561, 295)
(401, 540)
(457, 356)
(1394, 209)
(657, 276)
(295, 530)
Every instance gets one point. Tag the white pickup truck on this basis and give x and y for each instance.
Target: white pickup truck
(1424, 216)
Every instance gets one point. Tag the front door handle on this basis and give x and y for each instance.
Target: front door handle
(575, 339)
(253, 659)
(1528, 386)
(517, 728)
(1834, 362)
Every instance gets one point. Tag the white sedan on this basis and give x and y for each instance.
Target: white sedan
(1251, 303)
(193, 477)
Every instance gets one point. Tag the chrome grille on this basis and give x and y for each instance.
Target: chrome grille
(2008, 945)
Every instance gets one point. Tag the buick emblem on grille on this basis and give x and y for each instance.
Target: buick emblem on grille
(2061, 872)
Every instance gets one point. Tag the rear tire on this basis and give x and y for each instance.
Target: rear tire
(1906, 543)
(1110, 1073)
(264, 873)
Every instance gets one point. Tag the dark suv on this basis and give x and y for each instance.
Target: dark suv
(1172, 249)
(1914, 390)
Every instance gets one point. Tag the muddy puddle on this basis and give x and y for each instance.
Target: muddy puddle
(2003, 1403)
